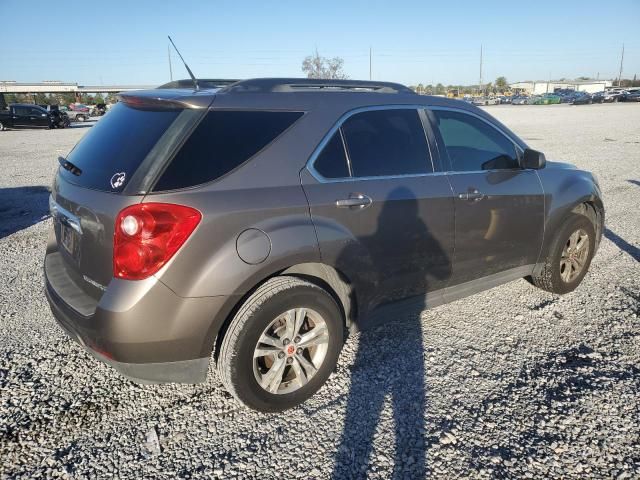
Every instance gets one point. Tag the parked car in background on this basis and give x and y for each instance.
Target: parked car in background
(547, 99)
(321, 212)
(597, 97)
(25, 115)
(60, 117)
(79, 107)
(519, 100)
(581, 98)
(98, 109)
(504, 99)
(77, 115)
(612, 96)
(631, 95)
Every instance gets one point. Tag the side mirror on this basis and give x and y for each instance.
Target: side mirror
(533, 159)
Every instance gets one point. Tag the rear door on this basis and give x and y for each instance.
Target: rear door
(39, 117)
(383, 217)
(499, 206)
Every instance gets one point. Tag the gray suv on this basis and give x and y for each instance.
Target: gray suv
(258, 223)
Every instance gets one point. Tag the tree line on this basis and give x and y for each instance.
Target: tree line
(59, 98)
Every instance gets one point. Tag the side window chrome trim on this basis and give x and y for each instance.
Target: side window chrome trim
(327, 138)
(518, 148)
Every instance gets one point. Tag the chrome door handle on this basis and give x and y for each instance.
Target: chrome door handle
(473, 195)
(354, 200)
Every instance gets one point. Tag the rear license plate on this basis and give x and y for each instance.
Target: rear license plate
(68, 239)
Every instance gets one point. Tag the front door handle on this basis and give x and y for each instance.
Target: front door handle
(358, 200)
(473, 195)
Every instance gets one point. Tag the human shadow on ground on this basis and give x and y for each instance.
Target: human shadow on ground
(390, 358)
(21, 207)
(623, 245)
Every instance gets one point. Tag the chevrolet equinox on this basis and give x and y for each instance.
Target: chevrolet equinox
(257, 222)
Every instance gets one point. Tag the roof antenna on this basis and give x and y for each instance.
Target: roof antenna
(195, 82)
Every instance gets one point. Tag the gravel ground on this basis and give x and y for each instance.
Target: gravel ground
(513, 382)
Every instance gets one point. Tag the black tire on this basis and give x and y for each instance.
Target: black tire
(81, 118)
(549, 278)
(270, 300)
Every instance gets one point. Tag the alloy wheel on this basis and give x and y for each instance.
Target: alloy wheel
(574, 255)
(290, 350)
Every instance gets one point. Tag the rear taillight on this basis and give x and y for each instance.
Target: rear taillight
(147, 235)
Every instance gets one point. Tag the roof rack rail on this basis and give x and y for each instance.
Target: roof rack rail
(202, 82)
(263, 85)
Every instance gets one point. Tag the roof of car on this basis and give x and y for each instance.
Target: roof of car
(288, 93)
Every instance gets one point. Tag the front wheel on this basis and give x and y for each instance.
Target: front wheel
(282, 345)
(569, 257)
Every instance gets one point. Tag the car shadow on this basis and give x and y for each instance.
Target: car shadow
(81, 124)
(21, 207)
(635, 182)
(623, 245)
(389, 363)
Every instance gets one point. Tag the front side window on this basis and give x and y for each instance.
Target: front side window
(386, 142)
(22, 111)
(474, 145)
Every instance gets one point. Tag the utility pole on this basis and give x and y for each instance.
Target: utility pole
(370, 77)
(170, 69)
(480, 84)
(621, 60)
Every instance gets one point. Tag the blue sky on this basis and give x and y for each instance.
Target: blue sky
(124, 42)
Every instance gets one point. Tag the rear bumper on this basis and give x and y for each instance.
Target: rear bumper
(145, 331)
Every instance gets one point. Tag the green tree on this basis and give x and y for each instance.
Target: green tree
(501, 84)
(98, 98)
(440, 90)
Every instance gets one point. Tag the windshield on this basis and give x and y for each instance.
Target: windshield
(110, 153)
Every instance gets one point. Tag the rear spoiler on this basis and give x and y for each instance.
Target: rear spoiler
(167, 99)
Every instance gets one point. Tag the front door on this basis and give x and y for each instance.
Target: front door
(499, 207)
(383, 217)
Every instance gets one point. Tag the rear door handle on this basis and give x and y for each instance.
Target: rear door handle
(355, 200)
(473, 195)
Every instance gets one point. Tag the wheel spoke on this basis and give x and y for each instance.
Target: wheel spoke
(309, 367)
(582, 241)
(566, 273)
(273, 378)
(290, 318)
(573, 239)
(301, 375)
(265, 351)
(301, 314)
(316, 336)
(270, 340)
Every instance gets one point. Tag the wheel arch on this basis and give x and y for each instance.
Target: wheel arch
(320, 274)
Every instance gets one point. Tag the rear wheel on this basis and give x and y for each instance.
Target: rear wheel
(282, 344)
(569, 257)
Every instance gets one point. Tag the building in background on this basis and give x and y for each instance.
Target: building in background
(540, 87)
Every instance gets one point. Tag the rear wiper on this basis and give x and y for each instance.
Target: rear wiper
(67, 165)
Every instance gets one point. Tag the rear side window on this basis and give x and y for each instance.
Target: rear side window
(386, 142)
(223, 140)
(474, 145)
(110, 153)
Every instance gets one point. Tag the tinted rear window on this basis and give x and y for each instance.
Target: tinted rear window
(117, 145)
(387, 142)
(221, 142)
(332, 162)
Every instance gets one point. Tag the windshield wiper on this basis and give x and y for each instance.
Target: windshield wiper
(67, 165)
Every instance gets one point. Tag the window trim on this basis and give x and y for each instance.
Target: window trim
(338, 126)
(440, 141)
